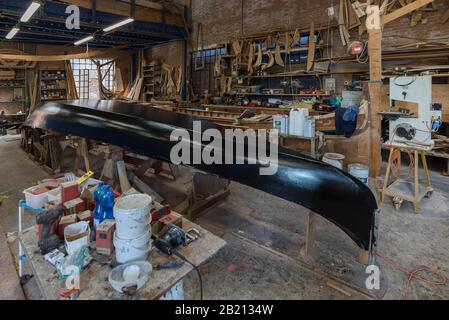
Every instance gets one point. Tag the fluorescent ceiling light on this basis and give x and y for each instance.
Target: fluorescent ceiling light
(12, 33)
(87, 39)
(118, 25)
(30, 11)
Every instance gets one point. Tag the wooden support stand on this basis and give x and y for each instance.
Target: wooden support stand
(362, 256)
(310, 234)
(402, 190)
(82, 154)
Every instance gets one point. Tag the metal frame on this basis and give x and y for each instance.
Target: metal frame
(49, 27)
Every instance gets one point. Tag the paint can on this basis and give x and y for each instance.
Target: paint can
(132, 215)
(334, 159)
(128, 250)
(359, 171)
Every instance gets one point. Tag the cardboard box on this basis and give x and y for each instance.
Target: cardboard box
(104, 237)
(86, 216)
(69, 191)
(159, 227)
(64, 222)
(74, 206)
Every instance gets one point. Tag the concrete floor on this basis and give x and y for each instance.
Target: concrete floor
(264, 234)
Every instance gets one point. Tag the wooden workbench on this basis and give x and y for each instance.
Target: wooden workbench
(94, 280)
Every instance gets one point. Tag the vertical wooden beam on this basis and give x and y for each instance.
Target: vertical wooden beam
(375, 88)
(310, 234)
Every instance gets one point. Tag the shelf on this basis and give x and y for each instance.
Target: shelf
(278, 94)
(18, 101)
(290, 75)
(53, 79)
(53, 89)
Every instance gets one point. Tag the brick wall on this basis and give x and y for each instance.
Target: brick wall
(222, 22)
(169, 53)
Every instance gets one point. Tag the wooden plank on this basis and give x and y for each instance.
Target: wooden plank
(124, 182)
(445, 17)
(124, 9)
(311, 52)
(55, 58)
(375, 88)
(405, 10)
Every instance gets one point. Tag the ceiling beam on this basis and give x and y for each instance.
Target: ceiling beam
(123, 9)
(405, 10)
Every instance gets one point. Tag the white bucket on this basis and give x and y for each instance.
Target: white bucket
(132, 215)
(132, 250)
(359, 171)
(334, 159)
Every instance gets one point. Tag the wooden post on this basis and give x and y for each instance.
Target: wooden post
(375, 89)
(416, 198)
(310, 236)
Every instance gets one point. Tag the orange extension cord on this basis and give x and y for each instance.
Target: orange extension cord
(440, 279)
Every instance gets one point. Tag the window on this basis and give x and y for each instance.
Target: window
(86, 77)
(203, 80)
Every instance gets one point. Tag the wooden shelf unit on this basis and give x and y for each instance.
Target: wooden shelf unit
(152, 81)
(53, 85)
(16, 87)
(277, 94)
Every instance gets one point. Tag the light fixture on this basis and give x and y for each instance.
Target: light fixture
(87, 39)
(30, 11)
(12, 33)
(118, 25)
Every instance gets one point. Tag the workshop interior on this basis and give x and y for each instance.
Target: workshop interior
(179, 150)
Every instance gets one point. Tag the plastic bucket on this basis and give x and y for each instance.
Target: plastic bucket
(334, 159)
(127, 250)
(132, 215)
(359, 171)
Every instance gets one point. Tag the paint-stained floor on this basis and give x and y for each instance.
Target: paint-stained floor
(264, 234)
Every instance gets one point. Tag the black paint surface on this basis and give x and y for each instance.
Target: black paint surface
(326, 190)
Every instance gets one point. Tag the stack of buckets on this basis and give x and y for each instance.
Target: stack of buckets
(132, 238)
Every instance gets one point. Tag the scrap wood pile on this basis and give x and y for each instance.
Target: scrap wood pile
(441, 144)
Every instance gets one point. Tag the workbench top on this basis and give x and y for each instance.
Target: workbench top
(94, 280)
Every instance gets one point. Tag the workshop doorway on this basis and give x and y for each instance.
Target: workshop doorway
(86, 77)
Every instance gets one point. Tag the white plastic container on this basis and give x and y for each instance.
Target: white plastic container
(360, 172)
(298, 121)
(118, 279)
(309, 127)
(128, 250)
(76, 236)
(281, 123)
(334, 159)
(132, 216)
(35, 201)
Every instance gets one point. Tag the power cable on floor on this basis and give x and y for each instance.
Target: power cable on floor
(440, 279)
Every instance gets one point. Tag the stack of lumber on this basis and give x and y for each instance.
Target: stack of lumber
(441, 144)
